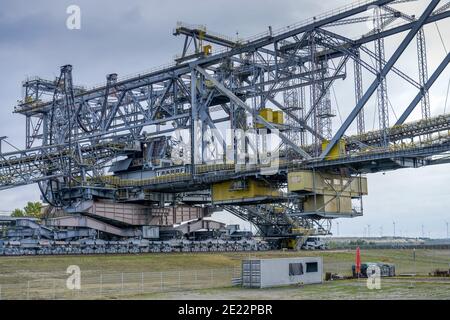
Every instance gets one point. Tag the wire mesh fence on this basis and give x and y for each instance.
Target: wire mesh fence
(97, 285)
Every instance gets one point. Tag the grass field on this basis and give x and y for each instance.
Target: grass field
(20, 270)
(411, 288)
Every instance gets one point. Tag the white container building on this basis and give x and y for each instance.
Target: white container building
(264, 273)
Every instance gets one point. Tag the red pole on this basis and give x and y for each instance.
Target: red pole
(358, 262)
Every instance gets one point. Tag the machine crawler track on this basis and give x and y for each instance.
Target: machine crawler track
(90, 247)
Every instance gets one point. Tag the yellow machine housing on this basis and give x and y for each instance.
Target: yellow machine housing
(337, 151)
(290, 243)
(326, 192)
(238, 191)
(328, 204)
(267, 114)
(207, 50)
(272, 116)
(278, 117)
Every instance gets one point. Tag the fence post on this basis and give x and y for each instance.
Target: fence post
(212, 277)
(28, 290)
(161, 281)
(121, 290)
(101, 284)
(0, 292)
(54, 289)
(179, 279)
(142, 282)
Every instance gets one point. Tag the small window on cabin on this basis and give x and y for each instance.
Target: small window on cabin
(312, 267)
(295, 269)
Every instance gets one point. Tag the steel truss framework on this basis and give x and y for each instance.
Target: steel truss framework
(73, 134)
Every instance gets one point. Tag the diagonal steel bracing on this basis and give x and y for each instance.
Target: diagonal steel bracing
(424, 90)
(239, 102)
(388, 66)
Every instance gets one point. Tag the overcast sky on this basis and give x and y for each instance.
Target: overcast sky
(130, 36)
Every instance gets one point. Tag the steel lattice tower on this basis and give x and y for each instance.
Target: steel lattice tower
(423, 73)
(358, 93)
(382, 97)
